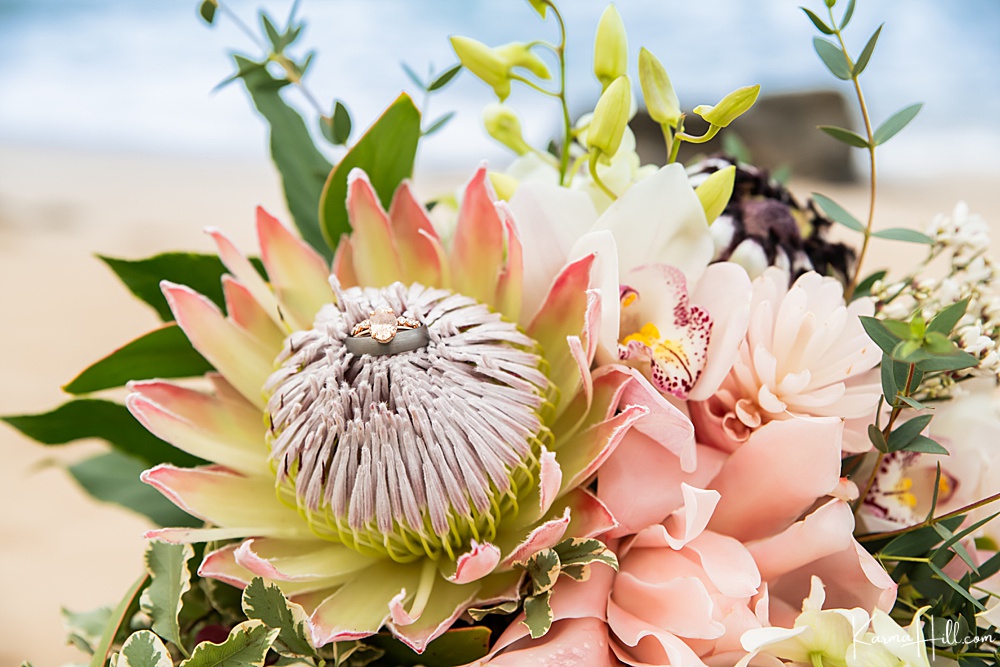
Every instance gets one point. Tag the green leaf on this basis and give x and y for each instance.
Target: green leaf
(953, 540)
(207, 10)
(143, 649)
(267, 603)
(896, 122)
(818, 22)
(538, 614)
(889, 386)
(864, 288)
(444, 78)
(907, 432)
(916, 405)
(989, 568)
(118, 616)
(543, 569)
(918, 542)
(162, 353)
(246, 646)
(386, 153)
(879, 333)
(924, 445)
(946, 320)
(877, 439)
(202, 273)
(845, 136)
(114, 478)
(866, 53)
(848, 13)
(508, 607)
(303, 168)
(833, 58)
(458, 646)
(954, 362)
(272, 33)
(958, 588)
(167, 565)
(903, 234)
(439, 123)
(85, 628)
(95, 418)
(837, 213)
(580, 551)
(341, 124)
(414, 77)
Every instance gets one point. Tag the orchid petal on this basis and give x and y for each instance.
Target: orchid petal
(725, 292)
(604, 276)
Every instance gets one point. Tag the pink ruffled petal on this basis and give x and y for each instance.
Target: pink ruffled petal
(240, 357)
(415, 237)
(777, 475)
(676, 605)
(589, 517)
(475, 563)
(728, 564)
(645, 645)
(477, 251)
(247, 312)
(665, 424)
(446, 603)
(571, 643)
(375, 257)
(593, 446)
(550, 479)
(247, 275)
(299, 275)
(683, 525)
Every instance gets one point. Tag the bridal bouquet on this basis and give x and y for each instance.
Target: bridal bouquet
(586, 411)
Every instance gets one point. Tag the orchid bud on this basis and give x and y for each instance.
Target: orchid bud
(610, 118)
(731, 107)
(484, 63)
(519, 54)
(610, 48)
(539, 6)
(503, 125)
(715, 191)
(504, 185)
(661, 100)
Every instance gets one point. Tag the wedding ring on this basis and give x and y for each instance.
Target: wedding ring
(405, 340)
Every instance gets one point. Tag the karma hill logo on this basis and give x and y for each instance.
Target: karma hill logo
(939, 635)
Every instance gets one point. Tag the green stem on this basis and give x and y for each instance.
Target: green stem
(567, 122)
(873, 537)
(531, 84)
(597, 179)
(712, 131)
(675, 149)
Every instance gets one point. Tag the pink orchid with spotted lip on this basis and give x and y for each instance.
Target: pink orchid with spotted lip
(396, 490)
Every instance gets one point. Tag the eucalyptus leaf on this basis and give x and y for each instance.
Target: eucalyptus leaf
(864, 287)
(878, 332)
(266, 602)
(246, 646)
(414, 77)
(117, 618)
(837, 212)
(444, 78)
(341, 124)
(954, 585)
(167, 565)
(833, 58)
(848, 13)
(906, 432)
(162, 353)
(889, 387)
(917, 543)
(439, 123)
(817, 21)
(877, 438)
(207, 10)
(896, 122)
(538, 614)
(866, 53)
(913, 403)
(989, 568)
(955, 362)
(272, 33)
(946, 320)
(386, 153)
(903, 234)
(845, 136)
(143, 649)
(924, 445)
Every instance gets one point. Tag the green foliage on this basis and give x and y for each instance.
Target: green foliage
(903, 234)
(817, 21)
(896, 122)
(845, 136)
(167, 565)
(833, 57)
(142, 649)
(458, 646)
(386, 153)
(837, 212)
(162, 353)
(866, 53)
(538, 613)
(246, 646)
(121, 613)
(266, 603)
(207, 9)
(865, 286)
(84, 628)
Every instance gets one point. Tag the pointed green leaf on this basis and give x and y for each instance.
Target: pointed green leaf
(954, 539)
(341, 124)
(85, 628)
(845, 136)
(954, 362)
(833, 58)
(848, 13)
(817, 21)
(458, 646)
(272, 33)
(207, 10)
(414, 77)
(439, 123)
(837, 213)
(864, 287)
(907, 432)
(889, 387)
(543, 569)
(877, 439)
(580, 551)
(866, 53)
(444, 78)
(916, 405)
(878, 332)
(508, 607)
(265, 602)
(918, 542)
(167, 565)
(903, 234)
(958, 588)
(303, 168)
(386, 153)
(538, 614)
(924, 445)
(246, 646)
(896, 122)
(946, 320)
(162, 353)
(144, 649)
(118, 616)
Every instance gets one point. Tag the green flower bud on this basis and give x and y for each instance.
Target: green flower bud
(539, 6)
(518, 54)
(731, 107)
(484, 63)
(715, 191)
(610, 118)
(503, 125)
(610, 48)
(661, 100)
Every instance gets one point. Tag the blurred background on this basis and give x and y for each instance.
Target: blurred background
(114, 140)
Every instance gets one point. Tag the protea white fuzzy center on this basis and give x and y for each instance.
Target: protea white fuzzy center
(415, 453)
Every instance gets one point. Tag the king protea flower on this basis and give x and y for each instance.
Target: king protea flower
(401, 489)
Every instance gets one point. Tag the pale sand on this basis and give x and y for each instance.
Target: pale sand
(61, 309)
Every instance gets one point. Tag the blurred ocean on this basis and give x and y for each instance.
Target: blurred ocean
(138, 76)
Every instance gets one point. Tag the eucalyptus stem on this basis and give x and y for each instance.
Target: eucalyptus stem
(560, 51)
(896, 410)
(853, 283)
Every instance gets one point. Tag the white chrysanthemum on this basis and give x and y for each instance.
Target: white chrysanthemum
(805, 355)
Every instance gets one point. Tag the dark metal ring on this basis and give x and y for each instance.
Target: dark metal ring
(405, 340)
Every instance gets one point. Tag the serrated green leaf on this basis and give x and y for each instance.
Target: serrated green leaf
(906, 432)
(386, 153)
(86, 626)
(246, 646)
(207, 10)
(866, 53)
(954, 585)
(162, 353)
(837, 213)
(864, 287)
(877, 439)
(224, 598)
(848, 13)
(817, 21)
(167, 565)
(878, 332)
(845, 136)
(580, 551)
(543, 570)
(903, 234)
(538, 614)
(508, 607)
(100, 656)
(444, 78)
(896, 122)
(576, 572)
(303, 168)
(202, 273)
(946, 320)
(924, 445)
(340, 124)
(143, 649)
(267, 603)
(833, 58)
(439, 123)
(458, 646)
(414, 77)
(95, 418)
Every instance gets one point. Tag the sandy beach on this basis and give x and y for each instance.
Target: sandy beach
(62, 308)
